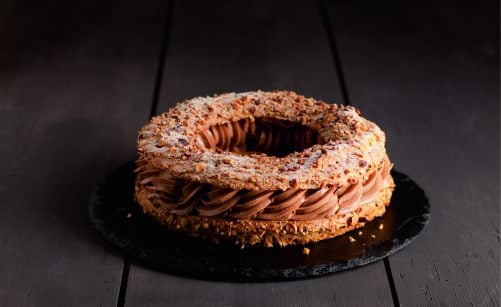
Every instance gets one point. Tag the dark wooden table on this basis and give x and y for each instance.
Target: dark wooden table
(79, 78)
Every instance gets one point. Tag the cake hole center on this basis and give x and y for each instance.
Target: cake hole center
(273, 137)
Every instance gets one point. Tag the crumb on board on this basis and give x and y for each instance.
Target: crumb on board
(351, 239)
(381, 226)
(306, 251)
(373, 236)
(129, 215)
(360, 233)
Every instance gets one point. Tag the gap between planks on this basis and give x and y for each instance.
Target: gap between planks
(164, 41)
(346, 97)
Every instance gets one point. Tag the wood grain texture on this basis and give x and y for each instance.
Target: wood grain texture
(237, 46)
(75, 85)
(157, 289)
(227, 46)
(428, 74)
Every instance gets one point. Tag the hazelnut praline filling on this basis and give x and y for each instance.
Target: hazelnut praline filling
(269, 136)
(179, 197)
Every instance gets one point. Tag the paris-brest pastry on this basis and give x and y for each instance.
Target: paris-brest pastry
(262, 168)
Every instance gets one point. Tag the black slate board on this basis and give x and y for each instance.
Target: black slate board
(120, 221)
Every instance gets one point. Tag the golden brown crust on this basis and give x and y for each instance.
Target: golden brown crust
(268, 233)
(353, 146)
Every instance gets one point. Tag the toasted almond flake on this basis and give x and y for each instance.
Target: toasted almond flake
(352, 239)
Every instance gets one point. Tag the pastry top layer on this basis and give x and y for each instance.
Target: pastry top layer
(352, 148)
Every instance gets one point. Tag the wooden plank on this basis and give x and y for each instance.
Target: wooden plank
(76, 81)
(427, 72)
(156, 289)
(227, 46)
(234, 47)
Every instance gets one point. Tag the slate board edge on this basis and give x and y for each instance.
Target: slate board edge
(178, 267)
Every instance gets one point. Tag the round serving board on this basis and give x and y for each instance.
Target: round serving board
(120, 221)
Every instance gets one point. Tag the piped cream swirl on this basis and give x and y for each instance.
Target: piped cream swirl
(182, 198)
(271, 136)
(267, 135)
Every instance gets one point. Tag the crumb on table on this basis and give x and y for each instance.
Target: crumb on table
(306, 251)
(352, 239)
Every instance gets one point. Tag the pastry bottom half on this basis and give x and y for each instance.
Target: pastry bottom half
(268, 233)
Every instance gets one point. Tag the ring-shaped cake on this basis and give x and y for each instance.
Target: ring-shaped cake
(262, 168)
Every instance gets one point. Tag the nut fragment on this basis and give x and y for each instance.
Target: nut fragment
(352, 180)
(199, 167)
(183, 142)
(352, 239)
(291, 228)
(268, 241)
(306, 251)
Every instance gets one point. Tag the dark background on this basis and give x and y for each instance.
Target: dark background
(79, 78)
